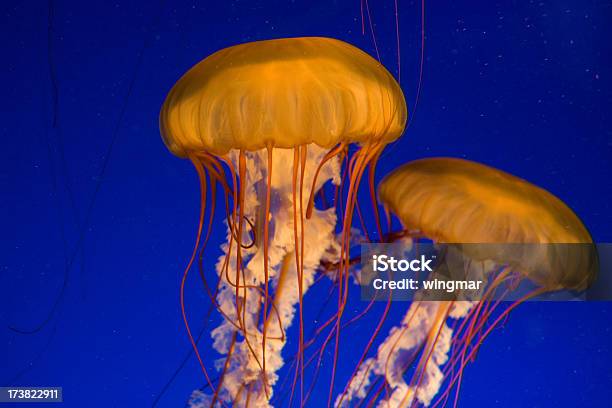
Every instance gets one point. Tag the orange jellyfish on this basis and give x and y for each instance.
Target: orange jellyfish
(267, 124)
(507, 230)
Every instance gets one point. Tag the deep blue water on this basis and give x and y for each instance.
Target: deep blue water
(524, 86)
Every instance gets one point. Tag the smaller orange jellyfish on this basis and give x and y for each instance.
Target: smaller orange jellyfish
(508, 230)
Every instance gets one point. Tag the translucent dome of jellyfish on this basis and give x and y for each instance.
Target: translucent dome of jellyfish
(267, 124)
(487, 211)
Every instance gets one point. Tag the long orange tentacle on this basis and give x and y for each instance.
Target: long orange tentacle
(266, 261)
(202, 177)
(362, 159)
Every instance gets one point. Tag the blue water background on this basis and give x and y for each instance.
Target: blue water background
(524, 86)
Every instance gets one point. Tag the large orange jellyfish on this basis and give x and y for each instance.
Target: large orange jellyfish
(269, 123)
(507, 230)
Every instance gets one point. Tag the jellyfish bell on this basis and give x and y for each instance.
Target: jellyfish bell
(269, 123)
(459, 201)
(514, 230)
(282, 93)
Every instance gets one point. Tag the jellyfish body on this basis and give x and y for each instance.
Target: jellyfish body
(462, 202)
(269, 123)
